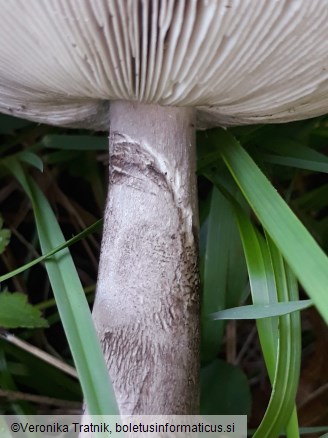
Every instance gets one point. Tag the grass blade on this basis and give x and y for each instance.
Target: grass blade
(269, 283)
(292, 153)
(71, 302)
(214, 273)
(281, 412)
(259, 311)
(297, 246)
(58, 248)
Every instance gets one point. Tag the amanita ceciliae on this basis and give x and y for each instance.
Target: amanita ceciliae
(152, 71)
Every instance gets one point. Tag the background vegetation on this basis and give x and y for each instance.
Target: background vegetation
(253, 250)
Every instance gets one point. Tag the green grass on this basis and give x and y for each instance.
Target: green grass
(262, 243)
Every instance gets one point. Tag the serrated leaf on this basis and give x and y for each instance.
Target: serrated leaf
(15, 311)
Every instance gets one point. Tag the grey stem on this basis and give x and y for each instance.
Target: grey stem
(147, 304)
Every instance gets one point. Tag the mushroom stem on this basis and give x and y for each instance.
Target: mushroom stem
(147, 304)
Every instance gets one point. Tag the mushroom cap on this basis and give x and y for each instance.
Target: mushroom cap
(235, 61)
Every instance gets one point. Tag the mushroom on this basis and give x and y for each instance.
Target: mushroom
(151, 72)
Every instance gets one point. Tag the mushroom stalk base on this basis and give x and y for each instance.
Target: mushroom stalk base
(147, 304)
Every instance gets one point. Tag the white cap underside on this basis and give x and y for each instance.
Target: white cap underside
(237, 61)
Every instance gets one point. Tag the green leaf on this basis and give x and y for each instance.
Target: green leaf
(75, 142)
(224, 390)
(61, 156)
(214, 272)
(257, 311)
(288, 152)
(7, 382)
(271, 282)
(68, 243)
(38, 375)
(32, 159)
(4, 237)
(298, 247)
(320, 132)
(262, 286)
(71, 301)
(15, 312)
(313, 199)
(9, 124)
(281, 411)
(316, 166)
(223, 268)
